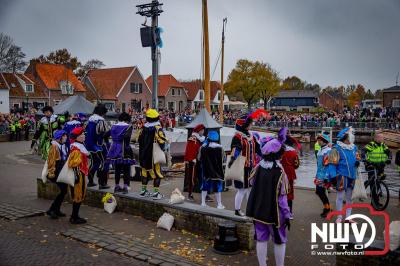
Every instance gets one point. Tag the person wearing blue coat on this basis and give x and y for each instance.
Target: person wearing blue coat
(321, 180)
(344, 160)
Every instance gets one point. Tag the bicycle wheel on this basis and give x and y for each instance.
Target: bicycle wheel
(383, 195)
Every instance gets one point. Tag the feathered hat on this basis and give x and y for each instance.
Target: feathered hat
(243, 123)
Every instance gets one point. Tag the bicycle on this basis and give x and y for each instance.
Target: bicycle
(379, 188)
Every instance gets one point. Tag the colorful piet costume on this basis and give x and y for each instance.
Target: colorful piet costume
(192, 180)
(321, 179)
(342, 170)
(79, 162)
(95, 131)
(121, 153)
(244, 144)
(151, 133)
(69, 126)
(290, 161)
(212, 156)
(267, 204)
(44, 132)
(56, 159)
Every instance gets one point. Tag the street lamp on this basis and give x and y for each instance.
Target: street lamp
(27, 103)
(150, 37)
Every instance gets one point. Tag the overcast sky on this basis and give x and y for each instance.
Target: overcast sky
(329, 42)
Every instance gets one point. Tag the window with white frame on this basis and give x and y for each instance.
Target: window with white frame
(201, 95)
(29, 88)
(179, 92)
(396, 103)
(66, 87)
(173, 92)
(136, 87)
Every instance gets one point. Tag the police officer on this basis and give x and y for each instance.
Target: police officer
(376, 155)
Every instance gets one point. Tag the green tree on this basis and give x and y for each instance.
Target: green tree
(252, 80)
(89, 65)
(62, 57)
(270, 82)
(293, 83)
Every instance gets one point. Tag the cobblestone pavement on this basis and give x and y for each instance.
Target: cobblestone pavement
(11, 212)
(23, 243)
(125, 245)
(18, 178)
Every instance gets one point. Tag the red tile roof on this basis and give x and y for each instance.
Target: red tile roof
(215, 86)
(165, 82)
(194, 86)
(16, 90)
(52, 74)
(108, 81)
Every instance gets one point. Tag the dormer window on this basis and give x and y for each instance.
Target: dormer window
(66, 87)
(29, 88)
(201, 95)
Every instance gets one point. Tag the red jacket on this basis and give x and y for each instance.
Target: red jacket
(192, 149)
(290, 162)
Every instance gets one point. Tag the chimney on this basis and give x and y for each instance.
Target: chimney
(32, 68)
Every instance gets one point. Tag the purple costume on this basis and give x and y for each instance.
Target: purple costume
(121, 151)
(268, 208)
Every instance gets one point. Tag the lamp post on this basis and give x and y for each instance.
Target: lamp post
(27, 103)
(151, 38)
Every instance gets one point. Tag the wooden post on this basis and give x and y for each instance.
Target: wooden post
(221, 102)
(206, 59)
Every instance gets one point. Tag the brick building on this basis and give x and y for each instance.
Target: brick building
(171, 93)
(333, 101)
(122, 88)
(391, 97)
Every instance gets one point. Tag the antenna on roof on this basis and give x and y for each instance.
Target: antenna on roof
(397, 78)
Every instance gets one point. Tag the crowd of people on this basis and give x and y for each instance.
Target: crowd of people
(79, 147)
(17, 125)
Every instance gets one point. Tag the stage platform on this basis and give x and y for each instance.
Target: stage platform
(188, 216)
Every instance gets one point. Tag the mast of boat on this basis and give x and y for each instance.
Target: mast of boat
(206, 59)
(221, 99)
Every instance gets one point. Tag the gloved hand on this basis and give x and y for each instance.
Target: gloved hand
(287, 224)
(33, 143)
(357, 163)
(231, 161)
(388, 162)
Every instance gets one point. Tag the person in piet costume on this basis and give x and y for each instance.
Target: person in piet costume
(151, 132)
(192, 168)
(95, 130)
(290, 161)
(212, 156)
(267, 204)
(243, 143)
(78, 160)
(321, 180)
(121, 153)
(56, 159)
(344, 160)
(45, 130)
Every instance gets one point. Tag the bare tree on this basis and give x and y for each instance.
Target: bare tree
(11, 55)
(89, 65)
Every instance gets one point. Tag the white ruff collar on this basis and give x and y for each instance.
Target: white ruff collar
(289, 148)
(44, 120)
(214, 145)
(200, 138)
(95, 118)
(345, 146)
(269, 164)
(81, 147)
(152, 124)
